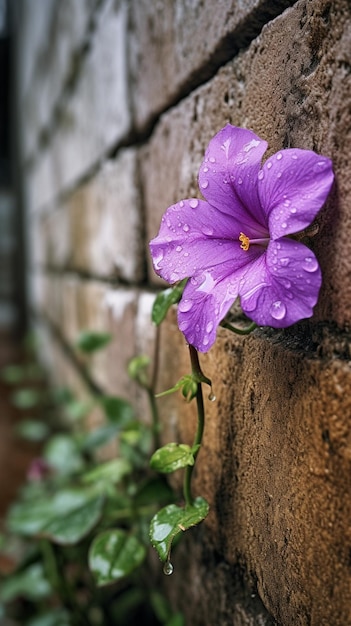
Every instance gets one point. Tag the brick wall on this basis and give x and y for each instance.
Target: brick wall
(117, 101)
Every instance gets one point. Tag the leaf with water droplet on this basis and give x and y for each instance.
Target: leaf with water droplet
(113, 555)
(165, 300)
(172, 457)
(173, 520)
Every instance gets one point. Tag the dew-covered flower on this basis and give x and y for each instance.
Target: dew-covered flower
(238, 242)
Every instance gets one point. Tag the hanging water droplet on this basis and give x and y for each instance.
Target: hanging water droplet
(310, 264)
(193, 203)
(212, 397)
(278, 310)
(168, 568)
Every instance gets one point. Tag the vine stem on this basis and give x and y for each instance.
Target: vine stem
(197, 372)
(239, 331)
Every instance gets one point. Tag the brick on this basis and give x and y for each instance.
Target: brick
(290, 87)
(99, 93)
(176, 44)
(105, 222)
(50, 45)
(275, 467)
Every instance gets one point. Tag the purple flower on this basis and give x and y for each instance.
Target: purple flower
(237, 243)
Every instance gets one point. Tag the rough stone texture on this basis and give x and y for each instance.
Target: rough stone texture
(177, 43)
(302, 101)
(55, 33)
(275, 467)
(89, 123)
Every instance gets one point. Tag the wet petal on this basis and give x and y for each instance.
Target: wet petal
(193, 236)
(207, 298)
(282, 286)
(293, 187)
(228, 176)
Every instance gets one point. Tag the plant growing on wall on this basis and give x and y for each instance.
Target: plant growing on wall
(84, 524)
(243, 240)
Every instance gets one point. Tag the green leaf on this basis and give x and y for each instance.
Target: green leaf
(98, 437)
(27, 398)
(172, 457)
(13, 374)
(58, 617)
(114, 555)
(65, 518)
(171, 521)
(62, 454)
(117, 410)
(32, 430)
(165, 300)
(30, 583)
(110, 471)
(90, 341)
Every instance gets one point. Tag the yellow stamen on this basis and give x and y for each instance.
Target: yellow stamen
(245, 242)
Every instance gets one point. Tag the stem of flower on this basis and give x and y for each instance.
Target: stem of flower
(197, 373)
(239, 331)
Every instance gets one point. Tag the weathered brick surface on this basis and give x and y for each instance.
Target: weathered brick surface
(275, 467)
(290, 87)
(176, 43)
(52, 37)
(94, 114)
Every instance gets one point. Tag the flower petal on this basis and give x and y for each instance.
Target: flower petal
(228, 176)
(282, 285)
(207, 298)
(293, 186)
(193, 236)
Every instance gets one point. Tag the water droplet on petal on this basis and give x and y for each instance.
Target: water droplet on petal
(269, 165)
(205, 169)
(279, 156)
(179, 248)
(207, 230)
(287, 203)
(279, 175)
(212, 160)
(169, 223)
(181, 203)
(278, 310)
(185, 305)
(186, 228)
(284, 224)
(205, 340)
(186, 254)
(293, 210)
(168, 568)
(240, 181)
(284, 262)
(209, 327)
(204, 184)
(287, 283)
(260, 175)
(310, 264)
(294, 156)
(212, 397)
(193, 203)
